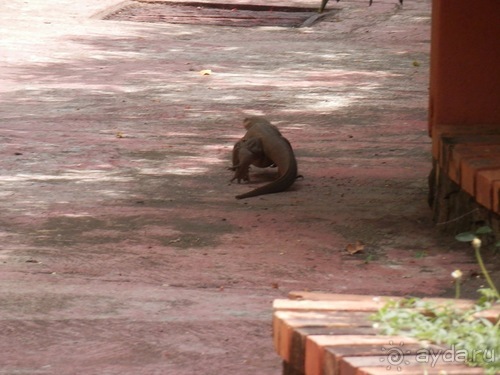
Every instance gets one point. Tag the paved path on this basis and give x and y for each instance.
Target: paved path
(123, 250)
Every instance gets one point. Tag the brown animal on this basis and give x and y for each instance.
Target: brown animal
(264, 146)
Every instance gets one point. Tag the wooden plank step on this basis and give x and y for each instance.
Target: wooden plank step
(466, 151)
(470, 168)
(323, 335)
(373, 366)
(340, 305)
(487, 189)
(290, 336)
(440, 132)
(373, 303)
(470, 157)
(448, 144)
(316, 345)
(334, 356)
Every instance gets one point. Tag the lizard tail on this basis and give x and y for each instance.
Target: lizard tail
(282, 183)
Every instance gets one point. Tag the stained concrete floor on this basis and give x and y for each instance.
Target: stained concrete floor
(123, 250)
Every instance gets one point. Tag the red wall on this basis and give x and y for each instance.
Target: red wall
(465, 63)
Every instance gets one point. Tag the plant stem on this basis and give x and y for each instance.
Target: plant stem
(457, 288)
(485, 271)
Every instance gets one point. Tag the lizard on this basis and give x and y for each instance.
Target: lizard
(263, 145)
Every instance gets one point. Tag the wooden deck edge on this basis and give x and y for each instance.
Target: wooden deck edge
(466, 172)
(456, 210)
(331, 334)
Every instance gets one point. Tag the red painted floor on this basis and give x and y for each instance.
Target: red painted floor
(123, 250)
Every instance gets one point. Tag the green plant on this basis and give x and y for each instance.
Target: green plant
(481, 232)
(420, 254)
(476, 244)
(369, 258)
(476, 338)
(457, 275)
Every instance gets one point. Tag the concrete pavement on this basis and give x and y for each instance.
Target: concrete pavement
(123, 249)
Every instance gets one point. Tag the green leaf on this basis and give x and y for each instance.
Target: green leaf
(465, 236)
(484, 230)
(420, 254)
(443, 324)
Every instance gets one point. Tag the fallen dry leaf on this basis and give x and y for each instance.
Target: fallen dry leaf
(205, 72)
(357, 247)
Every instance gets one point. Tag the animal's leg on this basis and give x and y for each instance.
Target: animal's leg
(246, 152)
